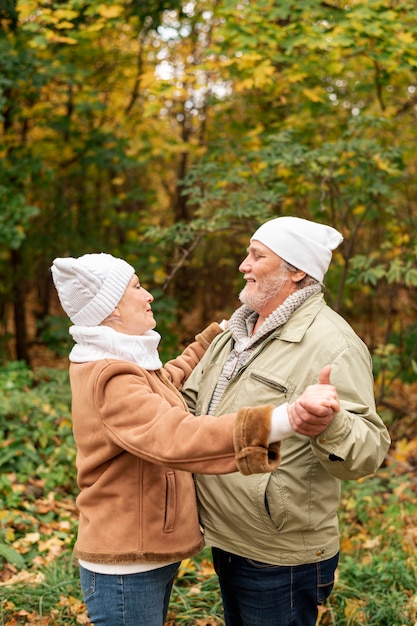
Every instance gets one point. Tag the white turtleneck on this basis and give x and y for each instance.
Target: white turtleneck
(102, 342)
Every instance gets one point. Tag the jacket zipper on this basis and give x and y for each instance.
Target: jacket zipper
(270, 383)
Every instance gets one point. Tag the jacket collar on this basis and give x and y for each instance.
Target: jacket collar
(296, 327)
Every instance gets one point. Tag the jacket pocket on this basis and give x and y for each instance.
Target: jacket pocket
(275, 501)
(269, 382)
(170, 501)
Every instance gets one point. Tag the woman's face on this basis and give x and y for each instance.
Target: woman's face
(133, 315)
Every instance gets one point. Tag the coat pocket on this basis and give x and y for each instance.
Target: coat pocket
(170, 501)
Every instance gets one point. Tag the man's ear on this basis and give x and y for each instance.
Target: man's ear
(297, 276)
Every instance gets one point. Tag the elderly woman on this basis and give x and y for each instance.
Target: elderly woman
(137, 443)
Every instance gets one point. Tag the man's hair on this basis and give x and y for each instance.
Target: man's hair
(306, 281)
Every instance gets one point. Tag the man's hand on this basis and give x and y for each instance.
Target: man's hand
(316, 407)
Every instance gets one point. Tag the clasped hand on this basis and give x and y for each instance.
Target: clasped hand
(315, 409)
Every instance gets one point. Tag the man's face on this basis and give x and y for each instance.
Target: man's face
(268, 281)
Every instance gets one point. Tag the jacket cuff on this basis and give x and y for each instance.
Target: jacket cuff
(250, 438)
(208, 334)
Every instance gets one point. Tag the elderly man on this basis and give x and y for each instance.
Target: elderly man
(275, 537)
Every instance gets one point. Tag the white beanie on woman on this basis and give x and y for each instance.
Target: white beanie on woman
(306, 245)
(91, 286)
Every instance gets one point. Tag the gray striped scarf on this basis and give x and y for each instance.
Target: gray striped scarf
(241, 324)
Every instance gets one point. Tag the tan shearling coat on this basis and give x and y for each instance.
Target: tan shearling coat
(137, 446)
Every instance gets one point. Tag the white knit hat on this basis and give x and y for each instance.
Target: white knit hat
(91, 286)
(306, 245)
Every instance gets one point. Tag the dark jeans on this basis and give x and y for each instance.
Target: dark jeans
(260, 594)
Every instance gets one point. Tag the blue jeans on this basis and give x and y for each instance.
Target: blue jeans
(130, 600)
(260, 594)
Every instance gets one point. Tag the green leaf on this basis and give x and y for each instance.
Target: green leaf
(12, 556)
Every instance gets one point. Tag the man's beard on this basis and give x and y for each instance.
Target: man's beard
(267, 288)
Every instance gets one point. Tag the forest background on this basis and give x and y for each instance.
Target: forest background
(164, 132)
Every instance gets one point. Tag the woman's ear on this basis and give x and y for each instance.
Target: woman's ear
(111, 319)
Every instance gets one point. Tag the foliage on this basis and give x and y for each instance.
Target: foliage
(50, 596)
(53, 332)
(36, 433)
(164, 132)
(378, 574)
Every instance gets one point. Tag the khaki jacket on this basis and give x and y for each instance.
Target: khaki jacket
(136, 448)
(289, 517)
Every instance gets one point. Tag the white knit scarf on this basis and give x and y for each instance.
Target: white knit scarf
(94, 343)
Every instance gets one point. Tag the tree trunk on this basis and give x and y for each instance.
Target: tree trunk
(19, 308)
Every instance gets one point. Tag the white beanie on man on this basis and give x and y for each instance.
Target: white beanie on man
(306, 245)
(91, 286)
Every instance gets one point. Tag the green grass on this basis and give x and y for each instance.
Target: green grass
(53, 598)
(195, 597)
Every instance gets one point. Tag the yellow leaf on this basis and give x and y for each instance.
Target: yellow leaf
(185, 567)
(53, 38)
(347, 545)
(405, 37)
(403, 448)
(76, 606)
(249, 59)
(110, 11)
(147, 79)
(370, 544)
(296, 77)
(207, 568)
(66, 14)
(52, 546)
(359, 210)
(354, 609)
(382, 165)
(314, 95)
(65, 24)
(263, 73)
(159, 276)
(247, 83)
(25, 577)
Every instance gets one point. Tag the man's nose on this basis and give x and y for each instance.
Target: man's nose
(245, 265)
